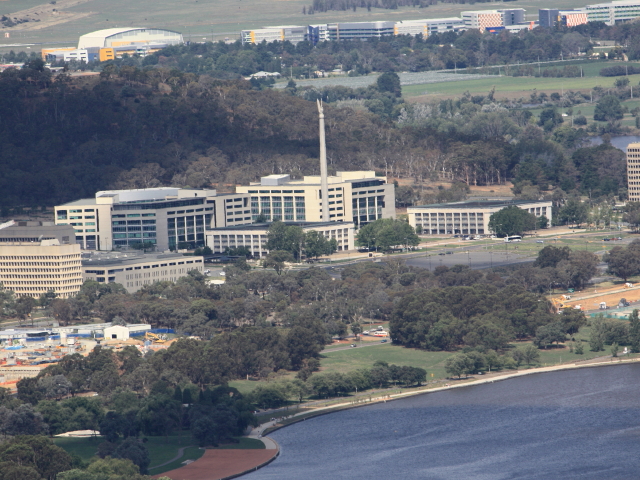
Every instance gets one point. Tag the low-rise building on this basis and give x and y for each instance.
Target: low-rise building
(254, 237)
(136, 271)
(468, 218)
(292, 33)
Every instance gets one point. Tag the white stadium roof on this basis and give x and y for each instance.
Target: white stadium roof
(99, 37)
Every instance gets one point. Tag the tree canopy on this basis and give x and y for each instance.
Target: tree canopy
(512, 220)
(386, 233)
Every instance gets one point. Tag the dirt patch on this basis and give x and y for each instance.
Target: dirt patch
(43, 16)
(218, 464)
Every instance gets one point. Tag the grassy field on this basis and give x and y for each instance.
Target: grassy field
(588, 109)
(507, 87)
(85, 448)
(190, 453)
(225, 18)
(364, 357)
(161, 449)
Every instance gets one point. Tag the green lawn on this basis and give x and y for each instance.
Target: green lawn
(190, 453)
(85, 448)
(510, 86)
(587, 110)
(244, 444)
(161, 449)
(364, 357)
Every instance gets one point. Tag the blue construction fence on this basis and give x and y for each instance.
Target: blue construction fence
(89, 335)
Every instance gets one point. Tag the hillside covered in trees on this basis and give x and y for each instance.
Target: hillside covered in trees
(63, 138)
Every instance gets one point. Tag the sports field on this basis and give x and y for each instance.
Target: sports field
(198, 19)
(508, 87)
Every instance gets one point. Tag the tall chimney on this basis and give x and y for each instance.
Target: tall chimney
(324, 186)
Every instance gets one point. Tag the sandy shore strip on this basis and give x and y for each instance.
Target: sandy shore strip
(225, 464)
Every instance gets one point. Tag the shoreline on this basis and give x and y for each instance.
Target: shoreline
(270, 427)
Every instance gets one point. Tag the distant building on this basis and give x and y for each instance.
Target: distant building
(485, 19)
(548, 17)
(428, 26)
(359, 197)
(36, 258)
(164, 217)
(468, 218)
(613, 12)
(118, 37)
(136, 271)
(30, 231)
(254, 237)
(103, 45)
(359, 30)
(292, 33)
(116, 332)
(633, 172)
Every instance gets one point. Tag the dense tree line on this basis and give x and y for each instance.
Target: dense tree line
(398, 53)
(470, 309)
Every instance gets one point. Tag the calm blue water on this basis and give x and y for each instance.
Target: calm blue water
(620, 142)
(576, 424)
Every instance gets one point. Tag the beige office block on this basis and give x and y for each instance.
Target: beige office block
(32, 269)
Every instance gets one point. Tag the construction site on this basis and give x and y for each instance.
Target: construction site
(24, 352)
(616, 301)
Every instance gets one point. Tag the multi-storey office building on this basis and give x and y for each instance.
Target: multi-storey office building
(613, 12)
(633, 172)
(359, 197)
(254, 237)
(34, 268)
(136, 271)
(292, 33)
(484, 19)
(165, 217)
(36, 257)
(358, 30)
(467, 218)
(550, 17)
(428, 26)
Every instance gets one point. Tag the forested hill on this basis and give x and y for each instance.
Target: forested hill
(63, 138)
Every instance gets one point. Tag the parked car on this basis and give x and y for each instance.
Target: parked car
(383, 341)
(539, 241)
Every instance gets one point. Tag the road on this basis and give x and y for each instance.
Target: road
(349, 347)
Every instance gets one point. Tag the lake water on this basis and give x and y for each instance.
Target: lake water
(573, 424)
(620, 142)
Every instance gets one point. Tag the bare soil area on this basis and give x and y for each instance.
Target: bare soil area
(217, 464)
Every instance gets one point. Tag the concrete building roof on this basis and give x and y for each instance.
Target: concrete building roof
(31, 231)
(80, 202)
(120, 259)
(480, 204)
(265, 226)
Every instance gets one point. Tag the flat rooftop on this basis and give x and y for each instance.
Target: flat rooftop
(265, 226)
(111, 258)
(481, 204)
(80, 202)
